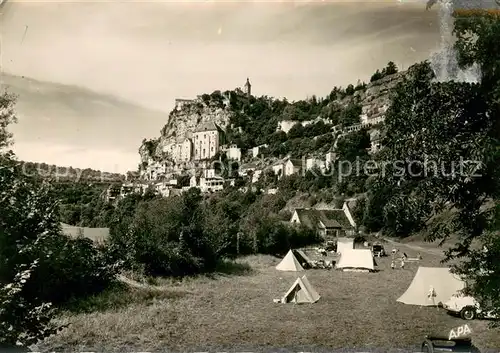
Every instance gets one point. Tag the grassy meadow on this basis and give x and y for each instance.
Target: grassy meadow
(234, 310)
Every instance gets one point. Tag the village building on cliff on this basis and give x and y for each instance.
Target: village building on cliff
(194, 140)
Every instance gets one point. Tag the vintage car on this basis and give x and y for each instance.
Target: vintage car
(467, 307)
(435, 344)
(378, 250)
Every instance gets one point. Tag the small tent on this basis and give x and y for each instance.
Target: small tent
(344, 244)
(290, 263)
(360, 260)
(430, 286)
(300, 292)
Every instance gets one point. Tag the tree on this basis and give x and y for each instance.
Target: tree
(443, 141)
(391, 68)
(354, 145)
(38, 264)
(23, 323)
(7, 117)
(376, 76)
(183, 180)
(23, 319)
(350, 115)
(297, 131)
(349, 90)
(172, 237)
(477, 44)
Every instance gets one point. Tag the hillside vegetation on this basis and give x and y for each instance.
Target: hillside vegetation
(254, 121)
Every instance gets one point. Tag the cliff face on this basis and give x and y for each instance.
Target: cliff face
(376, 98)
(180, 124)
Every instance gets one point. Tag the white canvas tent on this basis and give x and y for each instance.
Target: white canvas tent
(344, 244)
(430, 286)
(300, 292)
(289, 263)
(356, 260)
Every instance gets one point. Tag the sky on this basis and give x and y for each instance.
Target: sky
(133, 59)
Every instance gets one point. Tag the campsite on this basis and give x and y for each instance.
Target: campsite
(236, 310)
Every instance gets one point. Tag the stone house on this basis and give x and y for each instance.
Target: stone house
(232, 152)
(257, 150)
(292, 166)
(207, 139)
(329, 224)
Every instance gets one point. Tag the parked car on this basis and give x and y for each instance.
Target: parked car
(467, 307)
(331, 246)
(435, 344)
(378, 250)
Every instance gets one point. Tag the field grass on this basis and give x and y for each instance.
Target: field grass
(234, 311)
(95, 234)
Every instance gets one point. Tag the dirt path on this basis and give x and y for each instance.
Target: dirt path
(416, 247)
(139, 285)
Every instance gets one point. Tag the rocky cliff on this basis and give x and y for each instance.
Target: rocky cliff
(181, 122)
(374, 100)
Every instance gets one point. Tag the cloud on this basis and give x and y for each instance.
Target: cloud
(152, 52)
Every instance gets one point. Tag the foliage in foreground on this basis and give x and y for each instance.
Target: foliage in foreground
(38, 265)
(442, 139)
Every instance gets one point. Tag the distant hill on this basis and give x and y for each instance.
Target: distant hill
(69, 174)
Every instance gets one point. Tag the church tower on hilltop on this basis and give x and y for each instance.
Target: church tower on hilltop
(248, 88)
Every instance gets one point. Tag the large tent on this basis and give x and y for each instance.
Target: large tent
(344, 244)
(356, 260)
(290, 263)
(430, 286)
(300, 292)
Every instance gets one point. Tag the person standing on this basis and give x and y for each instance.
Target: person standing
(393, 264)
(402, 263)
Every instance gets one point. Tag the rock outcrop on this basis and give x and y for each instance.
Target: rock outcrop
(181, 122)
(375, 99)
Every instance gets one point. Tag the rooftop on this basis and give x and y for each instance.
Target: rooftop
(330, 218)
(295, 162)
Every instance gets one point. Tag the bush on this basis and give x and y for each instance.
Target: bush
(168, 237)
(66, 267)
(23, 322)
(76, 269)
(38, 265)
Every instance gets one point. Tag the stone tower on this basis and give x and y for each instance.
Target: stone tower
(248, 88)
